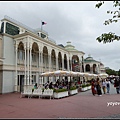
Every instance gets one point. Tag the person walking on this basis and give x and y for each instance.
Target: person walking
(108, 85)
(93, 87)
(35, 86)
(116, 85)
(104, 85)
(98, 86)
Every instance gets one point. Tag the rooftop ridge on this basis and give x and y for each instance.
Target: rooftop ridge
(19, 23)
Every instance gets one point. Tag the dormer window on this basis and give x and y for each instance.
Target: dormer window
(11, 29)
(43, 35)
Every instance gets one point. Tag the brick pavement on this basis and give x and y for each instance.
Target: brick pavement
(81, 105)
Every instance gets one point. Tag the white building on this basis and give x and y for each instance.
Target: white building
(92, 66)
(25, 53)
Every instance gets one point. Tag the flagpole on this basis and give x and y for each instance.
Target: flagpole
(41, 25)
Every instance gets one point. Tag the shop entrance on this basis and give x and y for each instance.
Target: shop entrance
(21, 82)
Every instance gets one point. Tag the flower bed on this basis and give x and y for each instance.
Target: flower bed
(73, 90)
(84, 87)
(59, 93)
(88, 86)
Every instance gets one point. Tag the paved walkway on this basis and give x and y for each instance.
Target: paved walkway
(81, 105)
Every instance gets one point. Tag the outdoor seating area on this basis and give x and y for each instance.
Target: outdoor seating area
(66, 84)
(51, 93)
(37, 92)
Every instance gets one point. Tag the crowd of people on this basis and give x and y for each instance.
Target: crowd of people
(103, 87)
(58, 84)
(98, 86)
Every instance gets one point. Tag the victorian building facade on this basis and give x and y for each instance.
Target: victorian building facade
(25, 53)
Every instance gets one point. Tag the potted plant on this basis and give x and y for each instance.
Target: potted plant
(88, 86)
(73, 90)
(84, 87)
(59, 93)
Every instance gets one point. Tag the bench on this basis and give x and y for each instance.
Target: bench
(26, 92)
(48, 92)
(37, 92)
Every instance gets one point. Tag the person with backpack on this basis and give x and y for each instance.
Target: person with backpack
(108, 85)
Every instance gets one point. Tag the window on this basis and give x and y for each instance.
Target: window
(21, 54)
(33, 57)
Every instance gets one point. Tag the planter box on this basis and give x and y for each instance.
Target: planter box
(72, 92)
(84, 89)
(89, 87)
(60, 94)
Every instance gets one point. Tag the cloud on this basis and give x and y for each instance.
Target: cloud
(76, 21)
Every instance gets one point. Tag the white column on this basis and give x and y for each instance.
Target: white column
(39, 67)
(16, 68)
(49, 60)
(62, 61)
(81, 67)
(42, 61)
(30, 66)
(25, 66)
(4, 27)
(68, 65)
(84, 67)
(79, 62)
(56, 62)
(42, 65)
(71, 64)
(27, 63)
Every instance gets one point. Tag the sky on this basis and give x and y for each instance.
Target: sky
(76, 21)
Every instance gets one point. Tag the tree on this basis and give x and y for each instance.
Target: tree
(119, 72)
(110, 36)
(111, 72)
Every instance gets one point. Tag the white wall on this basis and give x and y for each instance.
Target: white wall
(1, 82)
(8, 81)
(8, 51)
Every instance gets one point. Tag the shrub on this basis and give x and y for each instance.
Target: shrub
(88, 84)
(83, 86)
(73, 88)
(60, 90)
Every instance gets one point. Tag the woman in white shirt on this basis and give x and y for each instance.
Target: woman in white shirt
(104, 85)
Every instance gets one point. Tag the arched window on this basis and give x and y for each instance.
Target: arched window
(87, 68)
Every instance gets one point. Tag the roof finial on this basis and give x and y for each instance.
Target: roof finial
(89, 55)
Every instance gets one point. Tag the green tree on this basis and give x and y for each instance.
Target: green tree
(111, 72)
(119, 72)
(110, 36)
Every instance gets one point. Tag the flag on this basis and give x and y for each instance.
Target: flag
(43, 23)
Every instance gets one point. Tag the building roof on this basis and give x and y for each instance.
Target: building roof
(101, 63)
(71, 48)
(90, 59)
(68, 47)
(61, 45)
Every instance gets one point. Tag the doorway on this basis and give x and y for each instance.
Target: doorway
(21, 77)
